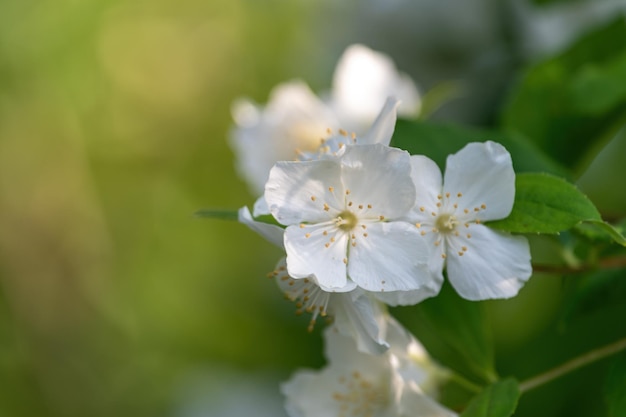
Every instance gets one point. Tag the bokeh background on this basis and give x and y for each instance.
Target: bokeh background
(114, 119)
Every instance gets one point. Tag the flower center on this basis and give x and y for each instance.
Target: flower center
(446, 223)
(346, 220)
(360, 397)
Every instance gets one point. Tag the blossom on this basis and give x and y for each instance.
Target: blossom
(295, 119)
(363, 79)
(397, 383)
(478, 186)
(342, 219)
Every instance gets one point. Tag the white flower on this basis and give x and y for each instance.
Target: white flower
(342, 217)
(478, 186)
(295, 119)
(363, 79)
(357, 384)
(355, 314)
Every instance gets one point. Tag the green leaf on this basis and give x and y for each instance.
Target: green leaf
(609, 230)
(615, 388)
(455, 331)
(437, 141)
(222, 214)
(571, 103)
(497, 400)
(546, 204)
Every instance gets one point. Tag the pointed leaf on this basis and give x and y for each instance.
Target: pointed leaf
(497, 400)
(546, 204)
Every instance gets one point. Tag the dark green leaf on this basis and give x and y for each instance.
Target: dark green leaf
(456, 332)
(437, 141)
(222, 214)
(569, 104)
(497, 400)
(546, 204)
(615, 389)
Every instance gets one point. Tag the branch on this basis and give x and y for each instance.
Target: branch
(572, 365)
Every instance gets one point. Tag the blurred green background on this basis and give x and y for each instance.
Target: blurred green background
(114, 118)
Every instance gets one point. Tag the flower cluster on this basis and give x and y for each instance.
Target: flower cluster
(365, 225)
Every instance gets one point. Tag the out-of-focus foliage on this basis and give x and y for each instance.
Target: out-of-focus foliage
(116, 300)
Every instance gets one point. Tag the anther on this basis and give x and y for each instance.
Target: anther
(364, 234)
(447, 195)
(438, 196)
(465, 211)
(443, 255)
(460, 253)
(347, 192)
(301, 225)
(438, 204)
(464, 248)
(483, 206)
(422, 209)
(307, 235)
(418, 225)
(459, 195)
(432, 213)
(381, 217)
(360, 206)
(331, 189)
(312, 198)
(343, 132)
(469, 236)
(325, 232)
(326, 207)
(345, 261)
(369, 206)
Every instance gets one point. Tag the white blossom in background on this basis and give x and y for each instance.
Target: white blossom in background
(363, 80)
(478, 186)
(295, 119)
(401, 382)
(343, 221)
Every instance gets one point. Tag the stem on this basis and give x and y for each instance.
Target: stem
(466, 383)
(606, 263)
(572, 365)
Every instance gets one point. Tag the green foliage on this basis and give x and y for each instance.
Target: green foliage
(615, 389)
(437, 141)
(497, 400)
(570, 103)
(546, 204)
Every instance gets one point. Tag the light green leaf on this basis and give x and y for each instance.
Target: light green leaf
(223, 214)
(609, 230)
(615, 388)
(497, 400)
(546, 204)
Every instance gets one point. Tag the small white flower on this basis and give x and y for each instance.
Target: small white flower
(358, 384)
(363, 79)
(343, 220)
(296, 121)
(478, 186)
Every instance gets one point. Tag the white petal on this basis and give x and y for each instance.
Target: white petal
(271, 232)
(483, 173)
(309, 394)
(393, 257)
(308, 255)
(382, 129)
(426, 177)
(495, 265)
(415, 403)
(379, 176)
(357, 316)
(409, 298)
(260, 207)
(294, 119)
(297, 191)
(362, 81)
